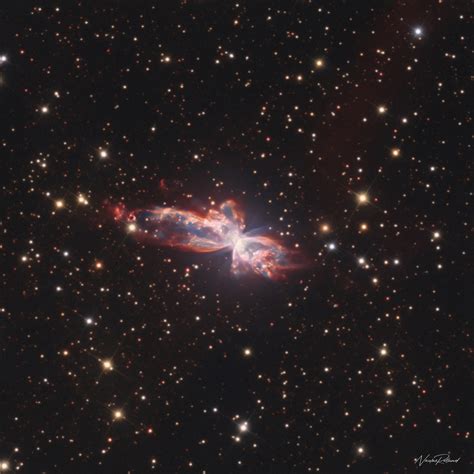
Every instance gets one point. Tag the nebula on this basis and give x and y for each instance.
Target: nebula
(221, 229)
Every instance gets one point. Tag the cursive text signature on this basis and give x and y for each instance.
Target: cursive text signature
(436, 459)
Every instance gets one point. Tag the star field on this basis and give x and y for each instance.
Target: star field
(343, 130)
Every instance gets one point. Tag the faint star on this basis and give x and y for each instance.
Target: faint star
(360, 450)
(319, 63)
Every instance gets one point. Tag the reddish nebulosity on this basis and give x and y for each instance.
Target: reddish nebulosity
(212, 231)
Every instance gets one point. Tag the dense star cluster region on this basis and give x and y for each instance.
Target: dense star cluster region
(342, 130)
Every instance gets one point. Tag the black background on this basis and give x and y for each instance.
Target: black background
(223, 130)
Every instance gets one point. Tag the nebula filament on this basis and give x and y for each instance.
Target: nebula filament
(221, 229)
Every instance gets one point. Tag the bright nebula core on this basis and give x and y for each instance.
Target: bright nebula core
(221, 229)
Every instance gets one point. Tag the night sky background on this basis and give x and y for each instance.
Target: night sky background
(343, 126)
